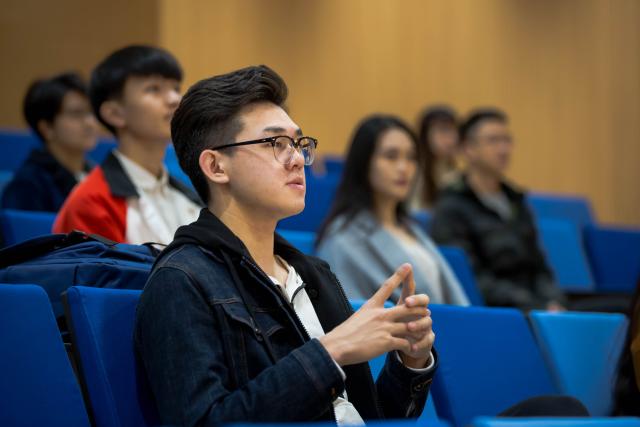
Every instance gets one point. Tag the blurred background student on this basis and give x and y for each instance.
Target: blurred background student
(58, 110)
(437, 150)
(368, 233)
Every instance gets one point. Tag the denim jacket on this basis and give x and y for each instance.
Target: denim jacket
(220, 344)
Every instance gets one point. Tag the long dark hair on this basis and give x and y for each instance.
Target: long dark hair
(430, 117)
(354, 193)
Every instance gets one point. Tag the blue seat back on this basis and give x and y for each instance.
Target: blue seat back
(575, 209)
(18, 226)
(318, 201)
(37, 386)
(556, 422)
(374, 423)
(561, 241)
(102, 148)
(489, 361)
(459, 263)
(303, 240)
(334, 164)
(614, 253)
(15, 146)
(101, 322)
(582, 351)
(173, 167)
(423, 217)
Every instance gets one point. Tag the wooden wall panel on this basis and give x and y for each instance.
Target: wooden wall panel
(567, 72)
(39, 38)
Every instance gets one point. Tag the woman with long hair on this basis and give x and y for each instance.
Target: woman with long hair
(437, 149)
(368, 232)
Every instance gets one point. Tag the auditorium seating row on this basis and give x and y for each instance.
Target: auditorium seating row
(489, 359)
(585, 256)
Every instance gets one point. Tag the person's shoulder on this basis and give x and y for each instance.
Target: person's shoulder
(94, 188)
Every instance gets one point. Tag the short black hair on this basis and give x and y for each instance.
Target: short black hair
(44, 98)
(207, 114)
(478, 116)
(109, 76)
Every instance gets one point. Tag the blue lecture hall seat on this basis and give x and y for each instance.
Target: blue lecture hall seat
(489, 361)
(38, 387)
(101, 322)
(423, 217)
(15, 146)
(18, 226)
(459, 263)
(615, 257)
(334, 164)
(561, 241)
(582, 351)
(302, 240)
(318, 200)
(556, 422)
(576, 209)
(102, 148)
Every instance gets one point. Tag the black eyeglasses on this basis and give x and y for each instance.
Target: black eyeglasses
(284, 147)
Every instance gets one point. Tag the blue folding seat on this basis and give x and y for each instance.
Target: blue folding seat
(381, 423)
(576, 209)
(173, 167)
(459, 263)
(318, 201)
(561, 241)
(556, 422)
(101, 322)
(37, 385)
(334, 164)
(15, 146)
(489, 361)
(582, 351)
(102, 148)
(423, 217)
(614, 253)
(303, 240)
(18, 226)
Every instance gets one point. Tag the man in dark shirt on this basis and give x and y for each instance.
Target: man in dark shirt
(489, 219)
(58, 111)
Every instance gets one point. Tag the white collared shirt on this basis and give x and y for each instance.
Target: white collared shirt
(159, 210)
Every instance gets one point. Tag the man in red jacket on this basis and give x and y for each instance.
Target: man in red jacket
(130, 197)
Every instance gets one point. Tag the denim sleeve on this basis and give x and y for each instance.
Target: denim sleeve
(401, 391)
(180, 345)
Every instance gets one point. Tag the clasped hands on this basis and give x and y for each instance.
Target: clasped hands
(374, 330)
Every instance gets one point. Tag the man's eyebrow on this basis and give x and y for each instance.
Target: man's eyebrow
(281, 130)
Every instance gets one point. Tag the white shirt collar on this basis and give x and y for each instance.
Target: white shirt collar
(142, 179)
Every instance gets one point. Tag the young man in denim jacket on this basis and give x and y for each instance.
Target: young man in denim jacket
(235, 324)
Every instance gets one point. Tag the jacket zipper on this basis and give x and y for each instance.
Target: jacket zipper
(295, 315)
(349, 308)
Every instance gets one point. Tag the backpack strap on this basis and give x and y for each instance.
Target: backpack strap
(34, 248)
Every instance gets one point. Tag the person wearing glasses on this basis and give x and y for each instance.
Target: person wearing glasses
(130, 197)
(488, 217)
(58, 111)
(368, 232)
(237, 325)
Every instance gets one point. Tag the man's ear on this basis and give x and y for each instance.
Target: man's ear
(112, 112)
(46, 129)
(213, 166)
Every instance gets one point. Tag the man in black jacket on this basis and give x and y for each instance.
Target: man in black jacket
(489, 219)
(237, 325)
